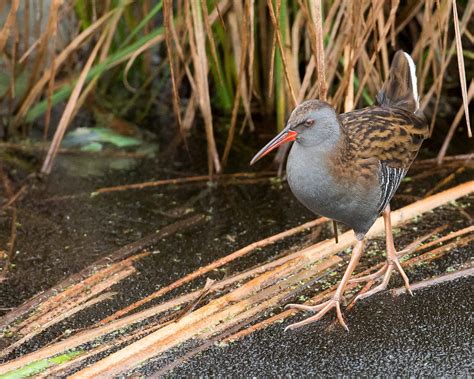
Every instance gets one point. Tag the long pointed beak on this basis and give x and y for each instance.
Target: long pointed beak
(286, 135)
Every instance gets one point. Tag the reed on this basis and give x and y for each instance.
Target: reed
(237, 57)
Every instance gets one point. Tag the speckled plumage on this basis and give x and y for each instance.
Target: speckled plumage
(348, 167)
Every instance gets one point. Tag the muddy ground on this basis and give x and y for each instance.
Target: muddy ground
(62, 229)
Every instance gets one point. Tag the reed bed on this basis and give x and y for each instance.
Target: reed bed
(240, 58)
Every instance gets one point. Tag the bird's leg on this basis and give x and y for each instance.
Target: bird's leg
(392, 263)
(335, 302)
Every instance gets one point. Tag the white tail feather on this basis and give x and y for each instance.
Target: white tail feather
(414, 83)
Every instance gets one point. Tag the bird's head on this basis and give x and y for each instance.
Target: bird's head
(311, 123)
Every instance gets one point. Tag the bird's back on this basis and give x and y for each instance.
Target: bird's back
(386, 137)
(391, 135)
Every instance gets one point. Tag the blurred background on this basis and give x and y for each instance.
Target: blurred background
(212, 77)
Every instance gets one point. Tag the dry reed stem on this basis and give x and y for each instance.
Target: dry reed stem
(199, 57)
(68, 112)
(9, 23)
(447, 237)
(437, 252)
(37, 89)
(454, 125)
(51, 31)
(273, 293)
(435, 281)
(147, 347)
(216, 264)
(462, 70)
(98, 270)
(462, 28)
(176, 181)
(240, 81)
(282, 52)
(445, 181)
(320, 59)
(167, 16)
(70, 301)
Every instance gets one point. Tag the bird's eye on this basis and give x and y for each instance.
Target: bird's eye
(309, 122)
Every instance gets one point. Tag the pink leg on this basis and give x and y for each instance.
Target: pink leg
(392, 263)
(335, 302)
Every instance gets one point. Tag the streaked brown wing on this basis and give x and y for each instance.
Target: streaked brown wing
(392, 136)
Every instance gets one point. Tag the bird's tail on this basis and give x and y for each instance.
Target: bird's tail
(400, 88)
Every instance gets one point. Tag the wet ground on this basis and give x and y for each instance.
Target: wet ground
(427, 335)
(62, 229)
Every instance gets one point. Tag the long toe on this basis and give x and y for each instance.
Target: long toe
(307, 308)
(376, 275)
(322, 308)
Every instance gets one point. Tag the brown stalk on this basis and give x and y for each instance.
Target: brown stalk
(9, 23)
(282, 53)
(175, 181)
(444, 45)
(214, 265)
(68, 112)
(240, 90)
(199, 55)
(271, 71)
(167, 15)
(210, 36)
(251, 15)
(464, 22)
(462, 70)
(439, 251)
(320, 59)
(110, 32)
(71, 301)
(274, 295)
(445, 181)
(37, 89)
(435, 281)
(51, 31)
(454, 125)
(380, 44)
(221, 309)
(96, 269)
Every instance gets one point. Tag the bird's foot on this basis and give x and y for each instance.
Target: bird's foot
(322, 309)
(385, 273)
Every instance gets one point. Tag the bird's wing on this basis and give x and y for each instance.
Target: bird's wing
(392, 136)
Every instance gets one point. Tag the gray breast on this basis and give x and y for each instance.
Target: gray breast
(315, 187)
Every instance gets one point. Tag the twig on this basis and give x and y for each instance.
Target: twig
(216, 264)
(449, 158)
(435, 281)
(116, 256)
(462, 70)
(206, 289)
(445, 181)
(447, 237)
(11, 242)
(235, 304)
(190, 179)
(457, 119)
(436, 253)
(14, 198)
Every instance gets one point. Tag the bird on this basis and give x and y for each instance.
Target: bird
(347, 167)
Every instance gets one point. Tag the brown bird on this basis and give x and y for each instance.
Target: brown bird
(347, 167)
